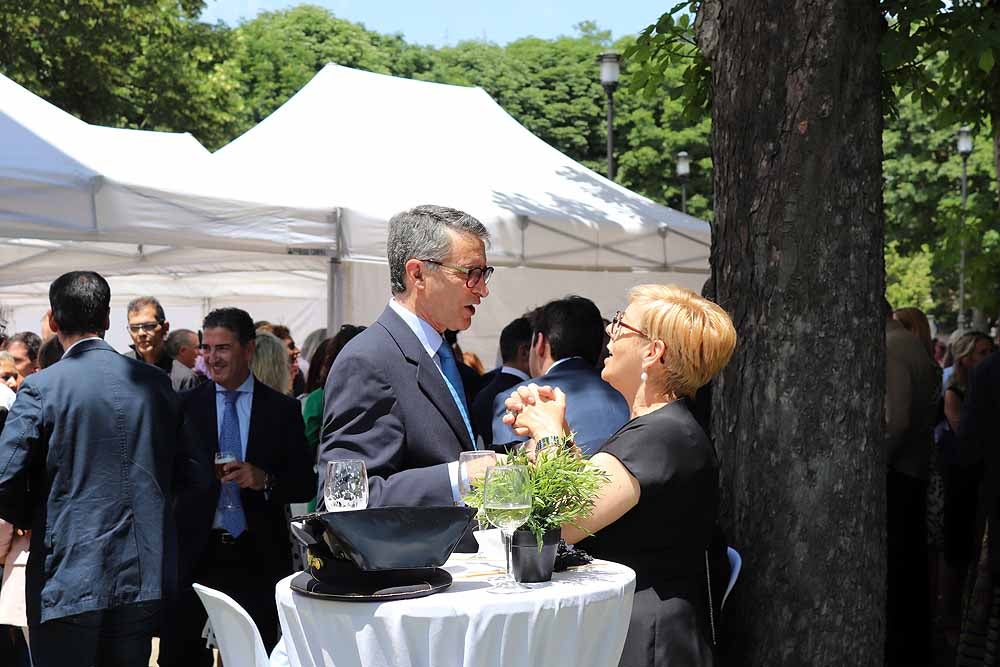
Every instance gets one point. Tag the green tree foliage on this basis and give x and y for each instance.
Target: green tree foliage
(908, 278)
(923, 207)
(129, 63)
(279, 52)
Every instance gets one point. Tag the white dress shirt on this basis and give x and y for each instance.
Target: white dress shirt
(244, 406)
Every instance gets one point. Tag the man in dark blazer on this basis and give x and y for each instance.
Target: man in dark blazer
(515, 343)
(565, 347)
(394, 397)
(233, 536)
(88, 459)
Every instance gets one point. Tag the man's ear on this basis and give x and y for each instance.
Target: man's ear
(166, 327)
(540, 343)
(53, 326)
(415, 270)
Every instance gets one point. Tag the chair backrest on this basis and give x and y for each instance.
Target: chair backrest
(735, 565)
(239, 640)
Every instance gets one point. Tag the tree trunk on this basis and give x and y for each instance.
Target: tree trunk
(797, 259)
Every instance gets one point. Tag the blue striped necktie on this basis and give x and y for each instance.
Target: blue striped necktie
(454, 381)
(233, 520)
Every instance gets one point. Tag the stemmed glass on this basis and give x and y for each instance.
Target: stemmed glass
(507, 503)
(346, 486)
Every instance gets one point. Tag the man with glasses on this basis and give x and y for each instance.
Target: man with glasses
(394, 397)
(148, 327)
(566, 340)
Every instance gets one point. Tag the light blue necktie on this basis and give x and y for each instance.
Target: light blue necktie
(454, 382)
(233, 520)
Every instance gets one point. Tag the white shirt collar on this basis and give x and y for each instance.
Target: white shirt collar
(554, 364)
(425, 333)
(515, 372)
(78, 342)
(7, 396)
(245, 388)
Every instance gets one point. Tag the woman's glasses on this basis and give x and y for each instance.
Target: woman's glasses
(617, 324)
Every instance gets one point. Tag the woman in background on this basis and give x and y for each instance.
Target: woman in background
(270, 363)
(319, 370)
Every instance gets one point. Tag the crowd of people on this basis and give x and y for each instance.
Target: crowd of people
(113, 502)
(941, 408)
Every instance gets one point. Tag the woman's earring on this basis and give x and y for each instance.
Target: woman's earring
(643, 377)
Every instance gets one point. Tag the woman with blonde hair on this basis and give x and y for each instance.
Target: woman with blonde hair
(658, 512)
(914, 321)
(270, 363)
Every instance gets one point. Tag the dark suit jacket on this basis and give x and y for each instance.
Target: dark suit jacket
(978, 434)
(88, 459)
(387, 403)
(594, 409)
(481, 410)
(276, 444)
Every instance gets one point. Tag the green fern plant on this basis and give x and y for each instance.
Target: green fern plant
(564, 488)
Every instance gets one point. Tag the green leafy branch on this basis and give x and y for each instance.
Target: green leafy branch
(564, 488)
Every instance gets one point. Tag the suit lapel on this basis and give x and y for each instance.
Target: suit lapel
(429, 377)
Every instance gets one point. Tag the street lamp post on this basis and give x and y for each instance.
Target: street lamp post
(965, 150)
(610, 67)
(683, 171)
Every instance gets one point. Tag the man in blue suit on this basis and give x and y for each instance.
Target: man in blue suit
(88, 458)
(394, 397)
(233, 536)
(515, 341)
(567, 335)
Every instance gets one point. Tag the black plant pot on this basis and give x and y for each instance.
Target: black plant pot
(527, 563)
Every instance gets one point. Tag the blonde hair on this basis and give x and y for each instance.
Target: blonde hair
(270, 362)
(698, 335)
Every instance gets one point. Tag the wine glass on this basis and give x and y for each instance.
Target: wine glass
(507, 503)
(229, 489)
(346, 486)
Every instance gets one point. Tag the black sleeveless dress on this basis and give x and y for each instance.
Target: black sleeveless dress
(666, 536)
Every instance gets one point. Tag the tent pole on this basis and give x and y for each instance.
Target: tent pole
(335, 281)
(334, 296)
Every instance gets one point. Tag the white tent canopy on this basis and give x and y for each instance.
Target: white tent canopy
(62, 179)
(371, 145)
(310, 190)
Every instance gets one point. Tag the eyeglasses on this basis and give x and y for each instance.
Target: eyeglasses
(143, 326)
(472, 276)
(617, 324)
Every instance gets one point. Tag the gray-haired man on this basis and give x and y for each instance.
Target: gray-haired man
(394, 397)
(148, 327)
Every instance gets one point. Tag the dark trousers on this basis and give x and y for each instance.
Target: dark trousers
(119, 637)
(908, 623)
(236, 570)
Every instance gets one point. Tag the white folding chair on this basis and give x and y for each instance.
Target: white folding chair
(735, 565)
(239, 640)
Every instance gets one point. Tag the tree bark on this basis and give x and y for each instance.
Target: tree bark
(797, 260)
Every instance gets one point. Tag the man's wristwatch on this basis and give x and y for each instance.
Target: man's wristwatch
(549, 441)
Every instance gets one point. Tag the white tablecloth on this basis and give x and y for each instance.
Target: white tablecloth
(579, 619)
